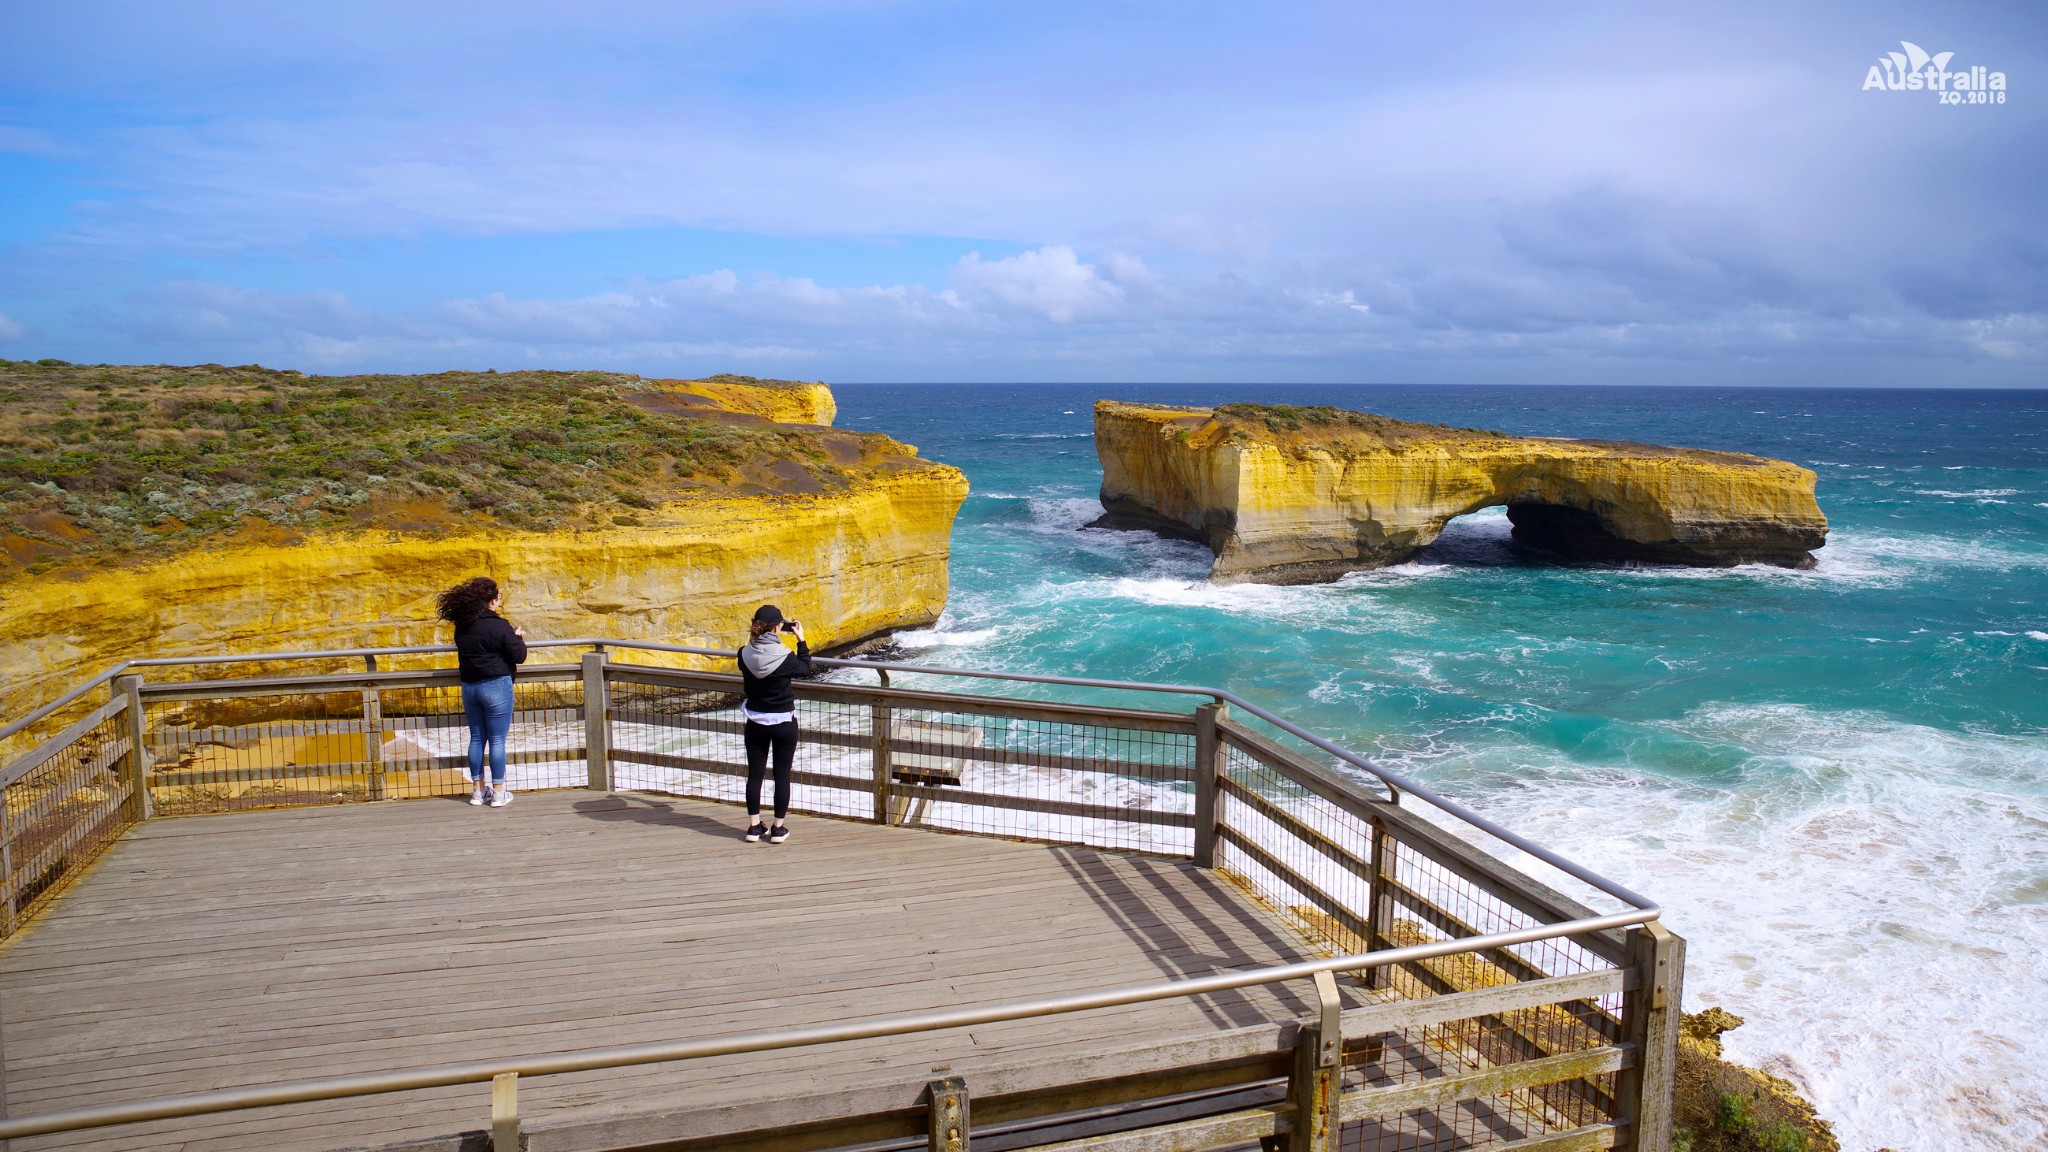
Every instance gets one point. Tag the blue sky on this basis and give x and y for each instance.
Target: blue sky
(1456, 192)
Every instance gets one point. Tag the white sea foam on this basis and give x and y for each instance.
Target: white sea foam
(1063, 513)
(1871, 895)
(944, 637)
(2037, 635)
(1975, 494)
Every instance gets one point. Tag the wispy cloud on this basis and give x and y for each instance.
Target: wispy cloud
(1110, 318)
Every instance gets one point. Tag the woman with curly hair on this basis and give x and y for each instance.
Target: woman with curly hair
(487, 648)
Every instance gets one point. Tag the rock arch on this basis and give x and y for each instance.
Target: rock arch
(1304, 495)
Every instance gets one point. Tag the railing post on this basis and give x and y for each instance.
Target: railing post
(1317, 1085)
(505, 1112)
(5, 1145)
(948, 1130)
(597, 731)
(7, 875)
(1649, 1017)
(881, 717)
(373, 740)
(135, 766)
(1379, 901)
(1209, 766)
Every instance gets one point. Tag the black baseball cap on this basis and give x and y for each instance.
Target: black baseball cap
(767, 614)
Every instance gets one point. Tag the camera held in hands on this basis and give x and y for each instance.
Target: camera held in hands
(789, 625)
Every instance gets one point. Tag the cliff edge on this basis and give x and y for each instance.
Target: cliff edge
(1290, 495)
(174, 510)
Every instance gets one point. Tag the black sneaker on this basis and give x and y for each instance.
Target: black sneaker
(779, 834)
(755, 833)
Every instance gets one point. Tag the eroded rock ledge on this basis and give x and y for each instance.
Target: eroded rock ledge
(1303, 495)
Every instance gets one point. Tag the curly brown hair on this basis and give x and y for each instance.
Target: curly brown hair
(467, 600)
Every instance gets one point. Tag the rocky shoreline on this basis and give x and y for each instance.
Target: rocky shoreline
(1720, 1106)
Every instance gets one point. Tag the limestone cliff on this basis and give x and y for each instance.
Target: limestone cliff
(1301, 495)
(777, 401)
(599, 510)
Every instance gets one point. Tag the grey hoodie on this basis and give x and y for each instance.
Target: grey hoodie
(766, 668)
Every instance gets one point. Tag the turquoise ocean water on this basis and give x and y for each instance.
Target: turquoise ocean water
(1836, 781)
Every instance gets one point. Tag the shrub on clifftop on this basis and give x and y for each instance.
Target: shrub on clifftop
(1723, 1107)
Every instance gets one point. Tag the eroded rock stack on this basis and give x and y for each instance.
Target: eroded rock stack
(1303, 495)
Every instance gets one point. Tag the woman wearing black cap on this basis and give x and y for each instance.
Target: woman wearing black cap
(766, 668)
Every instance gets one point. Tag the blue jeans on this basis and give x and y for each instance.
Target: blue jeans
(488, 705)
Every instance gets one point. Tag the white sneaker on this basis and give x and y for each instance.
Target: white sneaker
(476, 795)
(501, 797)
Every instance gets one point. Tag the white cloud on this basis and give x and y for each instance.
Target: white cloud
(1050, 281)
(2011, 337)
(11, 329)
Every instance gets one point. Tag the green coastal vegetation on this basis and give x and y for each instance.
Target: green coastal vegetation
(1286, 418)
(104, 462)
(1720, 1106)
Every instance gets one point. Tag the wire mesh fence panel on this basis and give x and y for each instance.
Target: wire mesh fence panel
(1300, 853)
(229, 753)
(1481, 1122)
(1020, 777)
(1428, 900)
(335, 747)
(1029, 778)
(676, 739)
(1562, 1028)
(690, 740)
(63, 804)
(426, 741)
(428, 738)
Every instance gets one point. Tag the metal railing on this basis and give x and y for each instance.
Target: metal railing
(1421, 913)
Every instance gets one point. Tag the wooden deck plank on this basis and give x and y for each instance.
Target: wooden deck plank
(212, 951)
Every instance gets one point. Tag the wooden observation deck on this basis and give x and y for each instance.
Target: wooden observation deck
(226, 914)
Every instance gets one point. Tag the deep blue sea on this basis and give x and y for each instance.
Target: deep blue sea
(1836, 780)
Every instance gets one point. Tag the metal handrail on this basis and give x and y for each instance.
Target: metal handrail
(441, 1076)
(1391, 779)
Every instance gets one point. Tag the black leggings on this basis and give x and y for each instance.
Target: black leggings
(760, 738)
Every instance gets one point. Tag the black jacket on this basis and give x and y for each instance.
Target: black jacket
(771, 693)
(487, 648)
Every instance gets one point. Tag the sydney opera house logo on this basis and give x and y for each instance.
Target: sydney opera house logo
(1916, 70)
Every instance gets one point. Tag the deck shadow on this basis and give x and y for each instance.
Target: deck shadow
(614, 809)
(1112, 883)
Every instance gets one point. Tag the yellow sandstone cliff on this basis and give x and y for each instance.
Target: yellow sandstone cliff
(778, 401)
(1301, 495)
(848, 532)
